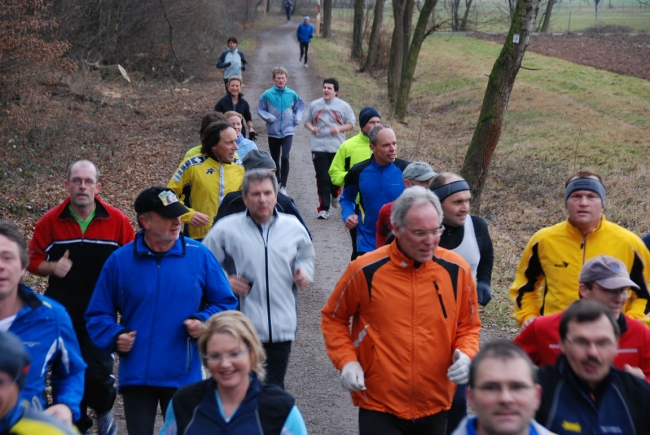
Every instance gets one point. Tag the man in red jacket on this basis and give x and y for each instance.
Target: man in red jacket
(603, 279)
(70, 245)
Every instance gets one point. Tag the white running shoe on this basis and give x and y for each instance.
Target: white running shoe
(323, 214)
(335, 203)
(283, 190)
(305, 65)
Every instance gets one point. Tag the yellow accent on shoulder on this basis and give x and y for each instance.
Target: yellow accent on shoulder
(572, 427)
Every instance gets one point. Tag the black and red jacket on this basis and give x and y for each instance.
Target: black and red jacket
(58, 231)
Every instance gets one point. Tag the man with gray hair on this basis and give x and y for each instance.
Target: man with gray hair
(402, 355)
(377, 181)
(268, 256)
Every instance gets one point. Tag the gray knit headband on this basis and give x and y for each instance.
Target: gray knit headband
(589, 184)
(443, 192)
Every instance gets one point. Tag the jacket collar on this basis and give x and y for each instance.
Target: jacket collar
(140, 249)
(100, 210)
(398, 257)
(28, 296)
(577, 231)
(378, 165)
(567, 372)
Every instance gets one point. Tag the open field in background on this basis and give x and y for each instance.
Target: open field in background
(561, 117)
(568, 15)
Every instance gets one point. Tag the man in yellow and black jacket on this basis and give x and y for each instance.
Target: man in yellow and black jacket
(546, 281)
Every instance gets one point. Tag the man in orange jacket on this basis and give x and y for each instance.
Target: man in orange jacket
(415, 324)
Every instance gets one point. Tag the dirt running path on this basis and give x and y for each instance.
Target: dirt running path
(311, 377)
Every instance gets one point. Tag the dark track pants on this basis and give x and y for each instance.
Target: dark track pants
(276, 146)
(374, 422)
(277, 359)
(99, 387)
(304, 49)
(141, 405)
(322, 163)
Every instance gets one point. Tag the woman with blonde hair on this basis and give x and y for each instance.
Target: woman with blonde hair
(235, 398)
(245, 146)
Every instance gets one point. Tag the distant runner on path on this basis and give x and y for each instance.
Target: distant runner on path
(304, 33)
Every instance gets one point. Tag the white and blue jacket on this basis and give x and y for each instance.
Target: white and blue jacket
(45, 329)
(282, 111)
(155, 294)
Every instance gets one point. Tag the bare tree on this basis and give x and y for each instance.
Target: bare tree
(357, 30)
(373, 43)
(497, 95)
(420, 33)
(327, 18)
(547, 16)
(402, 16)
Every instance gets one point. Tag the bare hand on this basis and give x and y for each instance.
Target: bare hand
(334, 130)
(352, 221)
(63, 266)
(527, 322)
(199, 219)
(314, 131)
(301, 278)
(60, 412)
(636, 371)
(239, 285)
(194, 327)
(125, 341)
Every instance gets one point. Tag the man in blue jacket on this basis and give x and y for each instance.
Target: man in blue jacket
(377, 181)
(281, 108)
(584, 393)
(45, 328)
(164, 286)
(304, 32)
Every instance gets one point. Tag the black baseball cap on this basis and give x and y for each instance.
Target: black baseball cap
(162, 200)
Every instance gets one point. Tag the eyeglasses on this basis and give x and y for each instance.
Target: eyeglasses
(218, 358)
(421, 234)
(494, 389)
(584, 344)
(78, 182)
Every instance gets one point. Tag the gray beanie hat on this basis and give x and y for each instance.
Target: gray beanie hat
(256, 159)
(14, 358)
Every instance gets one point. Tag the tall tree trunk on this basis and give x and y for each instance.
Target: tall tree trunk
(357, 30)
(412, 60)
(327, 18)
(373, 44)
(408, 25)
(495, 102)
(455, 25)
(547, 16)
(396, 50)
(463, 23)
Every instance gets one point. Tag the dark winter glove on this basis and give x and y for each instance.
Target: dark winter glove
(484, 293)
(243, 68)
(252, 136)
(227, 65)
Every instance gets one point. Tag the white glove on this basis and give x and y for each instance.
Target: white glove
(352, 377)
(458, 373)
